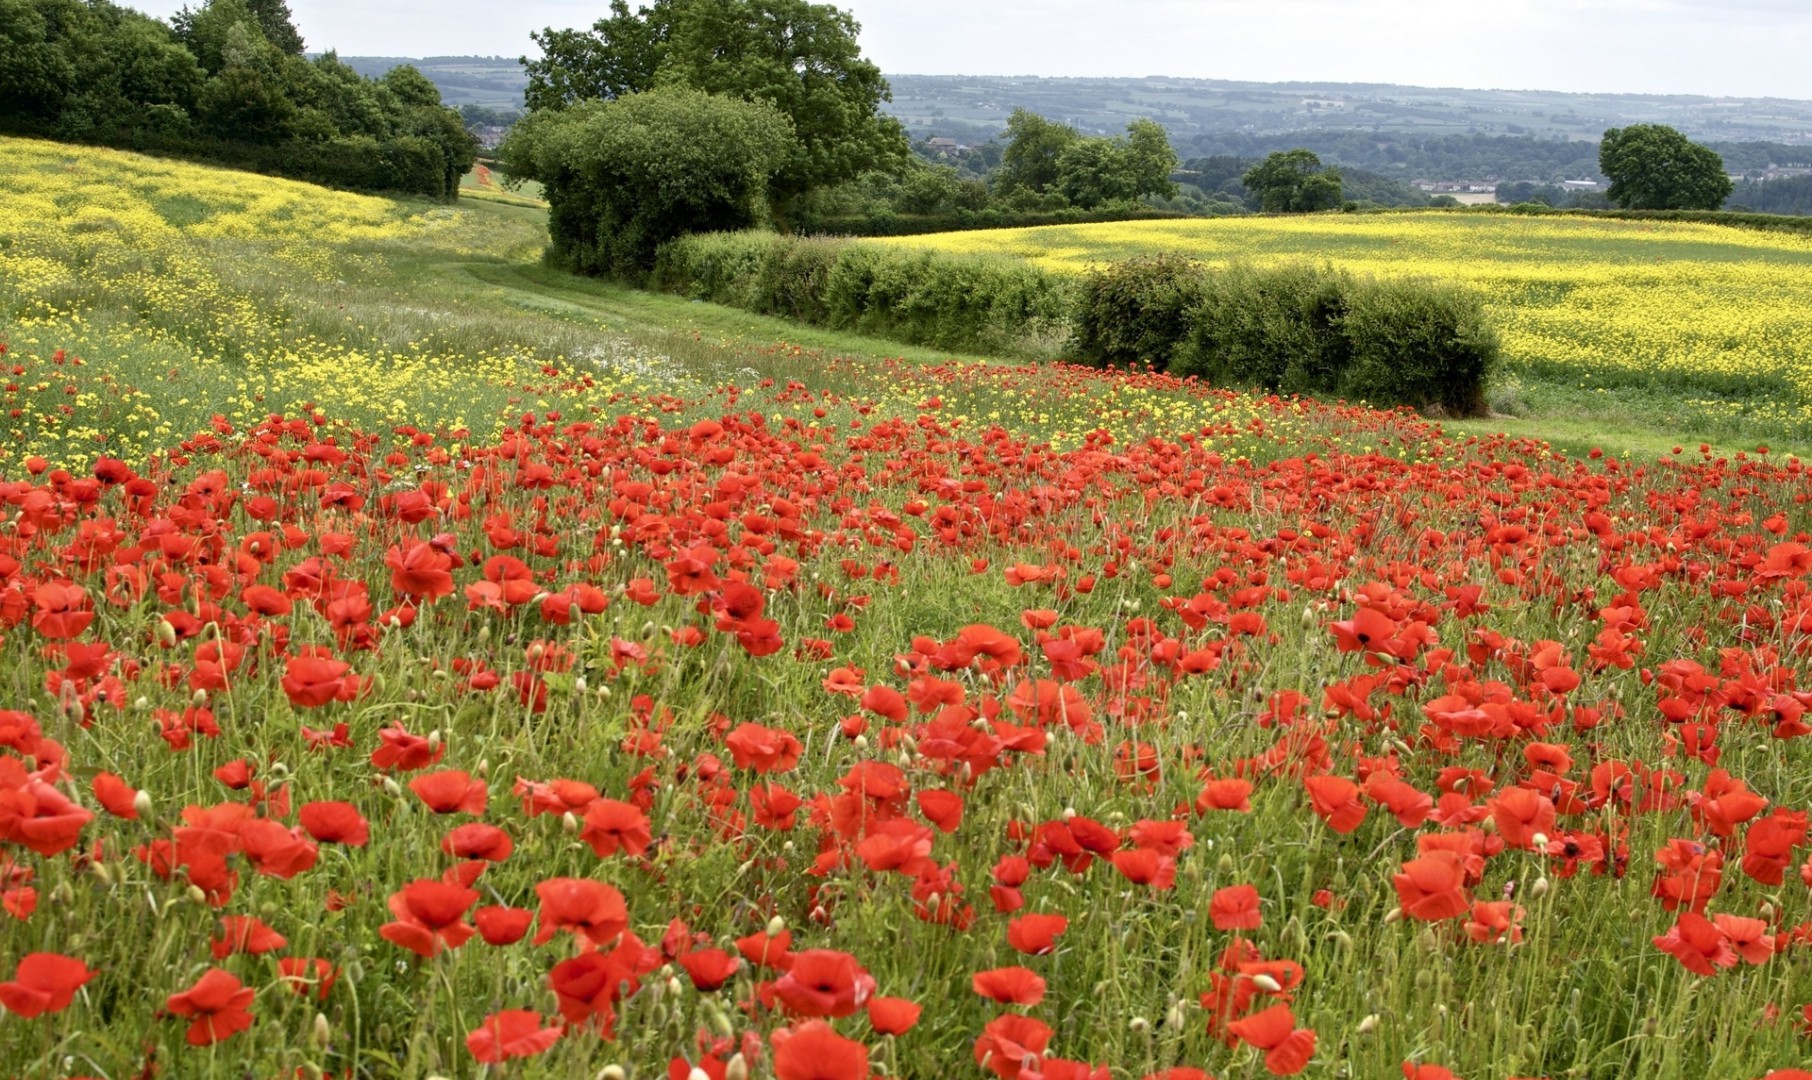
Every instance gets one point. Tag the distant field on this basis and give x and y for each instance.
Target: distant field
(1717, 319)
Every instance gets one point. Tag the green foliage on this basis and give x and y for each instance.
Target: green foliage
(1654, 167)
(624, 176)
(1293, 182)
(229, 85)
(1035, 148)
(964, 303)
(1044, 158)
(1415, 343)
(1136, 312)
(802, 58)
(1294, 328)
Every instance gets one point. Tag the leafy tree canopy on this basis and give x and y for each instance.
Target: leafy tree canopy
(1293, 182)
(800, 57)
(1654, 167)
(623, 176)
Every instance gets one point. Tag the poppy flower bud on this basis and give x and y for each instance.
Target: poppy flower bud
(698, 1074)
(1177, 1016)
(484, 767)
(1540, 840)
(612, 1072)
(1538, 888)
(1266, 983)
(322, 1032)
(1069, 813)
(392, 788)
(737, 1068)
(141, 804)
(717, 1019)
(199, 698)
(1341, 938)
(1767, 911)
(1369, 1024)
(861, 742)
(101, 873)
(166, 634)
(673, 985)
(1140, 1025)
(1489, 825)
(776, 925)
(569, 821)
(1395, 913)
(434, 740)
(196, 896)
(579, 684)
(141, 703)
(1224, 865)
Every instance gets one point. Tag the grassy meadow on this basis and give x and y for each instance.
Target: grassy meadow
(1704, 329)
(448, 668)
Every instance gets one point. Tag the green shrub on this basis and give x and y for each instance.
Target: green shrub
(962, 303)
(1136, 312)
(1417, 343)
(1276, 328)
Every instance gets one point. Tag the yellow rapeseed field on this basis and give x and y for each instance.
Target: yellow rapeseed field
(1722, 315)
(141, 298)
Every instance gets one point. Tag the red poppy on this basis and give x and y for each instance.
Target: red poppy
(1009, 985)
(502, 925)
(611, 826)
(892, 1015)
(589, 909)
(335, 823)
(430, 916)
(246, 934)
(44, 983)
(710, 968)
(1036, 934)
(511, 1033)
(823, 982)
(1235, 908)
(218, 1004)
(1431, 887)
(812, 1051)
(308, 975)
(1011, 1044)
(1273, 1030)
(450, 791)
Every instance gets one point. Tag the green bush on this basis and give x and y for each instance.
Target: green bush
(1294, 329)
(1277, 328)
(1136, 312)
(992, 304)
(1417, 343)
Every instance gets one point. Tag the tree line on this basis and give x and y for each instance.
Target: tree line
(695, 115)
(226, 83)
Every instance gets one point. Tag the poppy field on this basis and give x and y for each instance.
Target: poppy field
(804, 717)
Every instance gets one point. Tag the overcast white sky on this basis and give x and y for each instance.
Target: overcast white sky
(1725, 47)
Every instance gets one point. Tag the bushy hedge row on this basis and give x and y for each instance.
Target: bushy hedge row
(888, 223)
(965, 303)
(1294, 329)
(409, 164)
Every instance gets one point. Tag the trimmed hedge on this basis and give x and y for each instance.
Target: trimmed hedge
(964, 303)
(1295, 328)
(889, 223)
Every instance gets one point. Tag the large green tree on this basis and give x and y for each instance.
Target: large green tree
(1035, 148)
(1654, 167)
(625, 175)
(801, 58)
(1293, 182)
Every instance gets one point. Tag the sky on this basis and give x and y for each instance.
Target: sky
(1737, 48)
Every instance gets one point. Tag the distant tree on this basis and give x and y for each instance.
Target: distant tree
(800, 57)
(1150, 158)
(1091, 172)
(279, 27)
(1034, 146)
(623, 176)
(619, 55)
(1654, 167)
(1293, 182)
